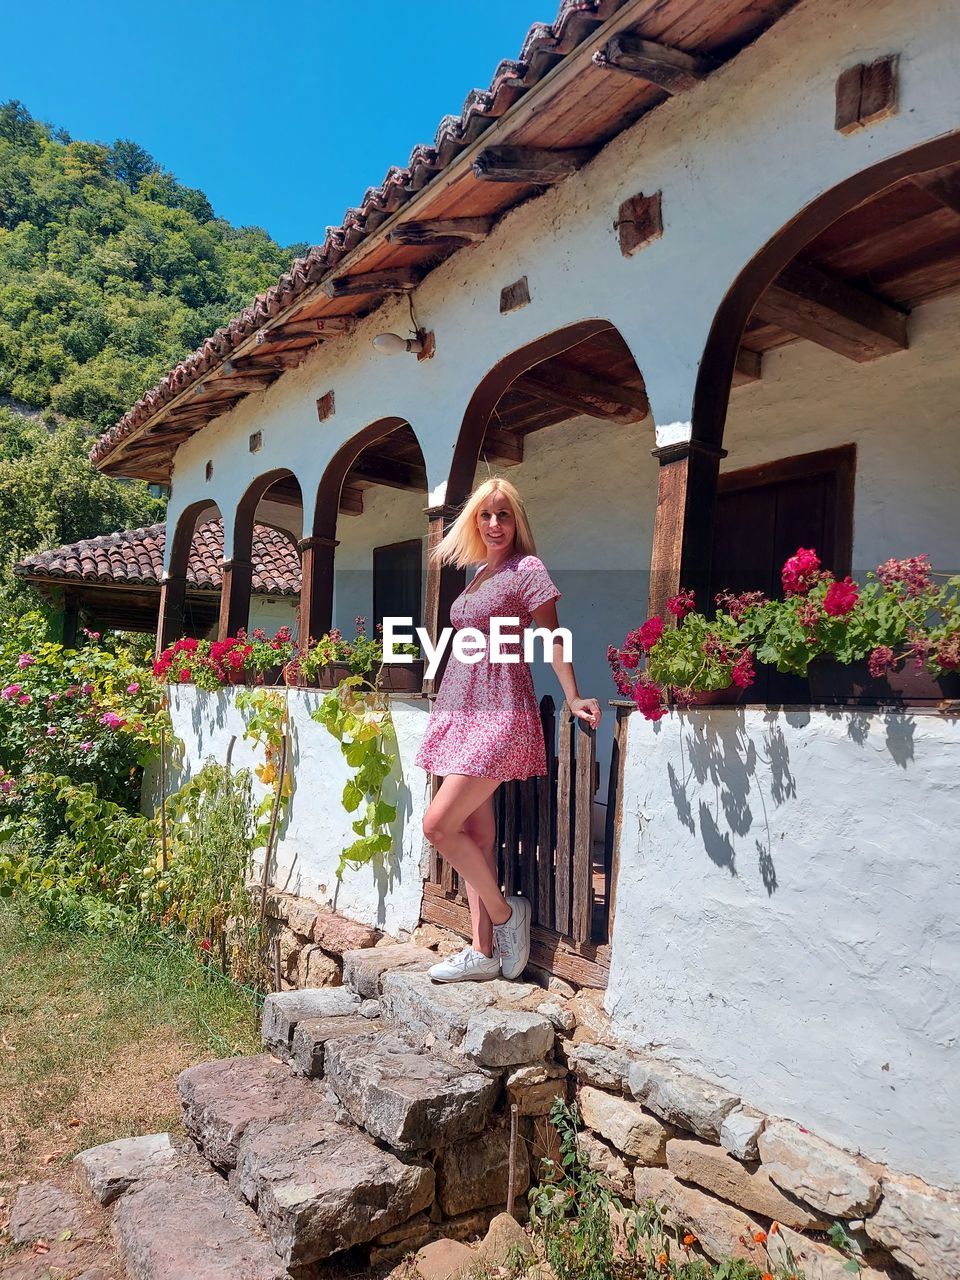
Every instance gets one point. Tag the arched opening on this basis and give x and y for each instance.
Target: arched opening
(568, 420)
(363, 557)
(848, 320)
(190, 593)
(262, 577)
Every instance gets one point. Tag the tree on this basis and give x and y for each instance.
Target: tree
(129, 163)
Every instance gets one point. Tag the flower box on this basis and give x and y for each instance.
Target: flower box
(402, 677)
(851, 684)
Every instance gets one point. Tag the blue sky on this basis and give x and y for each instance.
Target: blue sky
(282, 113)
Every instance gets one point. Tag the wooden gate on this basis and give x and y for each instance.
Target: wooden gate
(546, 850)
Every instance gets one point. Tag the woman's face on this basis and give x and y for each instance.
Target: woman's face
(496, 523)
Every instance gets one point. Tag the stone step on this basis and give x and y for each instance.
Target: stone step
(410, 1099)
(282, 1010)
(308, 1049)
(220, 1099)
(364, 970)
(483, 1023)
(187, 1223)
(320, 1187)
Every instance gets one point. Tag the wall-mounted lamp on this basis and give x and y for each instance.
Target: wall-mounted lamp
(388, 343)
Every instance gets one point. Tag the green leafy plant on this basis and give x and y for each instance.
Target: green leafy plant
(204, 885)
(360, 720)
(267, 722)
(363, 654)
(586, 1232)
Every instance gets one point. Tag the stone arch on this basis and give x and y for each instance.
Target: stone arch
(173, 589)
(238, 565)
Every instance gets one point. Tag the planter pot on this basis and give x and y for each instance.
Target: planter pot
(236, 676)
(402, 677)
(836, 684)
(731, 696)
(269, 675)
(330, 675)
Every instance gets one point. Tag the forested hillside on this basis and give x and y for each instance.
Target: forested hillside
(110, 272)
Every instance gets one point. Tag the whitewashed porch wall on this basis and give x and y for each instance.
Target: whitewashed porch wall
(787, 918)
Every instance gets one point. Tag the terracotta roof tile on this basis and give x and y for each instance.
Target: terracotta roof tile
(135, 557)
(544, 46)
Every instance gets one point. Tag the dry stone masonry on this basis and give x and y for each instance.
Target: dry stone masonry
(377, 1120)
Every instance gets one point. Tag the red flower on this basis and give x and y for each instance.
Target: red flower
(880, 661)
(630, 659)
(841, 598)
(649, 700)
(919, 646)
(650, 633)
(913, 574)
(742, 673)
(737, 606)
(682, 604)
(947, 653)
(185, 675)
(801, 572)
(682, 697)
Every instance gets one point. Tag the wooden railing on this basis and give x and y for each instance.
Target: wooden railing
(546, 851)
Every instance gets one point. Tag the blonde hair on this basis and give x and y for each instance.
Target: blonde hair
(462, 544)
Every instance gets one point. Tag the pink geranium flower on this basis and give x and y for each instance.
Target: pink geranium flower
(801, 572)
(111, 720)
(86, 746)
(10, 691)
(24, 699)
(133, 688)
(25, 660)
(841, 598)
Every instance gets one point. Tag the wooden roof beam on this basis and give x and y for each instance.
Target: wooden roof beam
(351, 501)
(584, 393)
(399, 280)
(944, 187)
(238, 383)
(501, 447)
(440, 230)
(669, 69)
(391, 472)
(529, 164)
(332, 327)
(811, 304)
(748, 367)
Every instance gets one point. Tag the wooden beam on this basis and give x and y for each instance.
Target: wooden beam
(320, 328)
(273, 361)
(441, 229)
(502, 447)
(944, 187)
(811, 304)
(584, 393)
(748, 367)
(399, 280)
(391, 472)
(669, 69)
(529, 164)
(240, 383)
(351, 501)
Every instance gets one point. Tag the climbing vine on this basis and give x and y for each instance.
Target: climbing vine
(359, 717)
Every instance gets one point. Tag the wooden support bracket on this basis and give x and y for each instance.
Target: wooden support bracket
(529, 164)
(441, 229)
(669, 69)
(399, 280)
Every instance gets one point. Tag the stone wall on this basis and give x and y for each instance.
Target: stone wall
(736, 1180)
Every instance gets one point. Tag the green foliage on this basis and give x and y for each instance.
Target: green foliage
(111, 270)
(265, 713)
(76, 727)
(203, 887)
(360, 720)
(587, 1233)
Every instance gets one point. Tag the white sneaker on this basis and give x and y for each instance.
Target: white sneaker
(466, 966)
(511, 940)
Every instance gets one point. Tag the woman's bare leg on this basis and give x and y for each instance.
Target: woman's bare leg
(481, 827)
(458, 798)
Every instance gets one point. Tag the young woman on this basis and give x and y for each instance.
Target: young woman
(485, 725)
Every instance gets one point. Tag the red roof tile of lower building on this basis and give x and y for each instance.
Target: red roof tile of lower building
(134, 557)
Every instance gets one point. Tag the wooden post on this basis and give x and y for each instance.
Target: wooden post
(173, 599)
(237, 581)
(317, 556)
(444, 582)
(71, 620)
(683, 529)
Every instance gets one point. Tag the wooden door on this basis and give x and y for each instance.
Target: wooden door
(763, 515)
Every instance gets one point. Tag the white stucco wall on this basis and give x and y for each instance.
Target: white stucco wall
(902, 412)
(788, 918)
(317, 827)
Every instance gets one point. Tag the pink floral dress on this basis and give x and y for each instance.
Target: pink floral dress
(485, 722)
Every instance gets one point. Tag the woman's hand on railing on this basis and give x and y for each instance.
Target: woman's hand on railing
(586, 709)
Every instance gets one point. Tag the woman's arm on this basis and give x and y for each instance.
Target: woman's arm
(585, 708)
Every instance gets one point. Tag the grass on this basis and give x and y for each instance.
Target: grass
(93, 1032)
